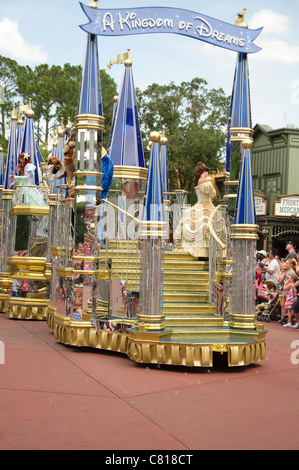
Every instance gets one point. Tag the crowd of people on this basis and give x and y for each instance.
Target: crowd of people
(277, 284)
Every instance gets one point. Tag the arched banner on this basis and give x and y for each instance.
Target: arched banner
(123, 22)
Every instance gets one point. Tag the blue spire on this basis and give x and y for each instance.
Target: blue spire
(126, 144)
(164, 165)
(90, 101)
(228, 148)
(20, 129)
(113, 122)
(59, 154)
(153, 209)
(240, 109)
(245, 207)
(1, 167)
(29, 144)
(12, 153)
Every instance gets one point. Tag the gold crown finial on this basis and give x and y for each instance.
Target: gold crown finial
(240, 21)
(20, 120)
(154, 136)
(128, 62)
(69, 124)
(247, 143)
(61, 130)
(163, 138)
(29, 113)
(93, 4)
(14, 113)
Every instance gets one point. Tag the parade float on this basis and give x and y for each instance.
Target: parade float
(113, 278)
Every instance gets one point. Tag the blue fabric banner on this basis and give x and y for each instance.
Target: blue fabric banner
(122, 22)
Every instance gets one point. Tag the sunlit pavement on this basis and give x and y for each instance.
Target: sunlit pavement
(57, 397)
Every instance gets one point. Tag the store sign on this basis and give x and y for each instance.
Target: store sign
(287, 206)
(122, 22)
(260, 205)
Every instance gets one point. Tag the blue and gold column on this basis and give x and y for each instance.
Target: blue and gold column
(78, 261)
(244, 236)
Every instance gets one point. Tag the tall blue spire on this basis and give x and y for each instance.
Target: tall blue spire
(90, 100)
(1, 167)
(20, 130)
(240, 109)
(164, 165)
(126, 144)
(12, 154)
(59, 154)
(153, 209)
(115, 102)
(29, 144)
(245, 207)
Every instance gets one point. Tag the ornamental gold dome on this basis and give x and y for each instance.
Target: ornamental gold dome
(247, 143)
(155, 136)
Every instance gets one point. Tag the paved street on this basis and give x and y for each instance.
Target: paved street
(58, 397)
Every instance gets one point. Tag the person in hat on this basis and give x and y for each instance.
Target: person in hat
(263, 253)
(291, 248)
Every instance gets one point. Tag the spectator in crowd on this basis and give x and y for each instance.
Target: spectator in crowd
(15, 288)
(291, 297)
(274, 267)
(291, 249)
(287, 268)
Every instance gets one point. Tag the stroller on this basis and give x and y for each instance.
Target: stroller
(270, 310)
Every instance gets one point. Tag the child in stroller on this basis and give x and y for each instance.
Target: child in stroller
(270, 309)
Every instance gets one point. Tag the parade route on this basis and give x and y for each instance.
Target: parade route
(55, 397)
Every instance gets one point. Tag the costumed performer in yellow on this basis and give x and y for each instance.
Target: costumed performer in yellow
(192, 234)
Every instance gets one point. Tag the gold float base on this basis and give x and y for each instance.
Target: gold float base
(27, 308)
(149, 347)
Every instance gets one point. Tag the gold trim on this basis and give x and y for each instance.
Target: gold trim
(7, 194)
(244, 236)
(88, 188)
(87, 173)
(247, 322)
(30, 210)
(90, 117)
(102, 274)
(144, 346)
(245, 227)
(130, 172)
(27, 309)
(87, 125)
(64, 272)
(212, 231)
(150, 322)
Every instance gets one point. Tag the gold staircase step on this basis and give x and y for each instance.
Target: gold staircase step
(193, 321)
(188, 309)
(186, 286)
(185, 296)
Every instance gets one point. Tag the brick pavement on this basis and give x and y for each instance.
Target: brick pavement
(61, 398)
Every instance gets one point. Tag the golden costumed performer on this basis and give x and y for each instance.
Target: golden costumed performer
(192, 234)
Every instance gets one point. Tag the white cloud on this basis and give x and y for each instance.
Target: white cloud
(273, 47)
(279, 51)
(12, 44)
(271, 22)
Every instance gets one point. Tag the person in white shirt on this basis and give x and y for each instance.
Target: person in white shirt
(273, 266)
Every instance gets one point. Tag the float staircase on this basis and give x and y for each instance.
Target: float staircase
(186, 305)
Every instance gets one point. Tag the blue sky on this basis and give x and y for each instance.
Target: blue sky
(34, 32)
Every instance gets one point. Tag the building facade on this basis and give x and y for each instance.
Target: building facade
(275, 171)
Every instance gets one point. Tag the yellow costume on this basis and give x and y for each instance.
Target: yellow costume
(193, 234)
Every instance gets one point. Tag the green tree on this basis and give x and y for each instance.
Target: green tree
(195, 118)
(9, 70)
